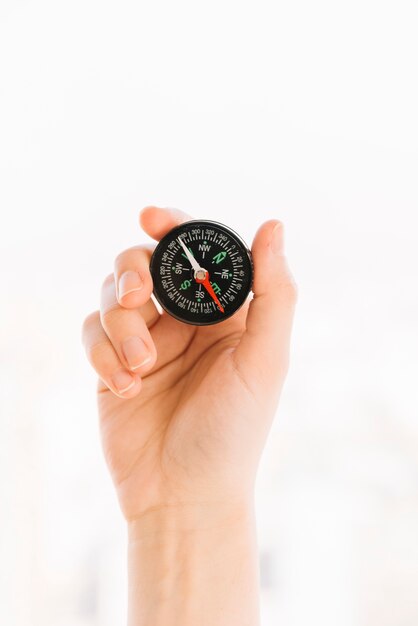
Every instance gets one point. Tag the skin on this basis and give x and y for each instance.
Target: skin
(184, 432)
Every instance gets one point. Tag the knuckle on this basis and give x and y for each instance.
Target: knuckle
(109, 316)
(121, 258)
(293, 290)
(110, 278)
(136, 255)
(97, 353)
(289, 290)
(108, 293)
(89, 322)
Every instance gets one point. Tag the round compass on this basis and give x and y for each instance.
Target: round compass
(202, 272)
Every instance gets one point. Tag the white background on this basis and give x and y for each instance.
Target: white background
(238, 112)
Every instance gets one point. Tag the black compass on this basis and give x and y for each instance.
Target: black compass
(202, 272)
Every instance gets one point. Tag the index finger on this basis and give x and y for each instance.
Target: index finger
(157, 221)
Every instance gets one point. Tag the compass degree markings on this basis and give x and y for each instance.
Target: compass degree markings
(201, 275)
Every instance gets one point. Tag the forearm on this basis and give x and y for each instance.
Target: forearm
(194, 565)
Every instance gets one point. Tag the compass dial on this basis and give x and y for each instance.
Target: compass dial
(202, 272)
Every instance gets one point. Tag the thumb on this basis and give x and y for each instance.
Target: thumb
(263, 351)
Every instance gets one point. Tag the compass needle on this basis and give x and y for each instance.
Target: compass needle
(190, 257)
(209, 289)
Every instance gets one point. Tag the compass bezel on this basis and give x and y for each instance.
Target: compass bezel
(156, 276)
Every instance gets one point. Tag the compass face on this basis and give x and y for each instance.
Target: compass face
(202, 272)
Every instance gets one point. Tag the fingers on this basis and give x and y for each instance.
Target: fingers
(127, 331)
(134, 282)
(117, 341)
(263, 350)
(156, 221)
(104, 359)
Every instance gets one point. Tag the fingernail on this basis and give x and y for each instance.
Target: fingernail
(123, 381)
(136, 352)
(128, 282)
(276, 242)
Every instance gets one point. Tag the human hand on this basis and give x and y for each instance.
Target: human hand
(188, 425)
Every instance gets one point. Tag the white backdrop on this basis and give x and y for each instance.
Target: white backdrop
(237, 112)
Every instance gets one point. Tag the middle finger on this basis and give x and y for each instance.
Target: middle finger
(127, 330)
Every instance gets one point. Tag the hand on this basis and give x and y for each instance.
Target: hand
(185, 410)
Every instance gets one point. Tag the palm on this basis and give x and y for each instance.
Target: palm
(180, 429)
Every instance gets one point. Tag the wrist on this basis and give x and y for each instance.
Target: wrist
(194, 563)
(199, 517)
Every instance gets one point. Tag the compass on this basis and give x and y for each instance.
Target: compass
(202, 272)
